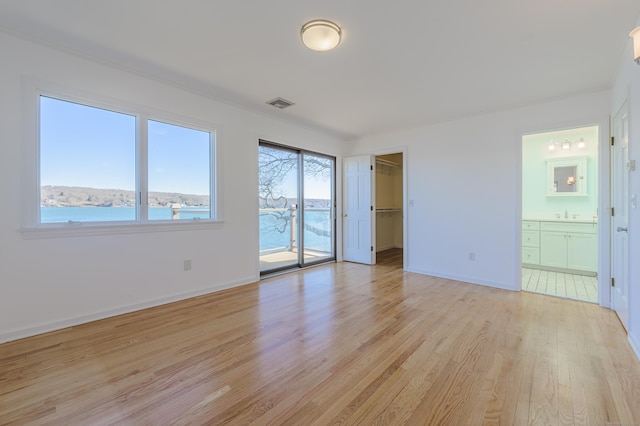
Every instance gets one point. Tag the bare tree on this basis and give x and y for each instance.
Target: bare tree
(275, 165)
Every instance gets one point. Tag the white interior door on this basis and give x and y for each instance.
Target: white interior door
(620, 219)
(358, 219)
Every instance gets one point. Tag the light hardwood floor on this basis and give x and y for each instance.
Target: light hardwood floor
(336, 344)
(578, 287)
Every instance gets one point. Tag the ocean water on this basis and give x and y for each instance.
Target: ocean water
(109, 214)
(275, 229)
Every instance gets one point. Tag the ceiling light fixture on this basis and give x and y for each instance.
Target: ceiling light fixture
(320, 35)
(635, 35)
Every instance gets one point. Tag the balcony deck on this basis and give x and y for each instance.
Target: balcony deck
(284, 258)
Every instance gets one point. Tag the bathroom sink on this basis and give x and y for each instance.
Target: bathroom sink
(576, 219)
(550, 217)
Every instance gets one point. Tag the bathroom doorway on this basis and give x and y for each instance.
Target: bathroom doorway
(560, 213)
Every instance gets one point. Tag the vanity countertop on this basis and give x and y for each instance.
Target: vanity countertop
(553, 218)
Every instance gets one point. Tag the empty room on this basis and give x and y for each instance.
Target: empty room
(310, 214)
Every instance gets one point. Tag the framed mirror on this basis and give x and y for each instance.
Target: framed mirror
(567, 176)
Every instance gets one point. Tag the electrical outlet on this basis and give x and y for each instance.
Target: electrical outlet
(187, 265)
(472, 256)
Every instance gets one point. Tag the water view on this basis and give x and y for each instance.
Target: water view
(109, 214)
(275, 229)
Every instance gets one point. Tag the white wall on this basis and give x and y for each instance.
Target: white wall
(53, 282)
(627, 86)
(464, 187)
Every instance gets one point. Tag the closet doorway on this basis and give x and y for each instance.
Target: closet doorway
(389, 202)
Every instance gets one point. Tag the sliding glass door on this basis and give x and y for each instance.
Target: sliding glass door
(295, 234)
(318, 182)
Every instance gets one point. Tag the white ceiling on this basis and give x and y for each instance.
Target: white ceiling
(400, 64)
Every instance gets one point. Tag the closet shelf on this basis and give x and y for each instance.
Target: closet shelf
(382, 210)
(388, 163)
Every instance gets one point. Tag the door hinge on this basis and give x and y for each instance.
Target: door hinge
(371, 248)
(612, 212)
(613, 140)
(371, 167)
(371, 208)
(613, 282)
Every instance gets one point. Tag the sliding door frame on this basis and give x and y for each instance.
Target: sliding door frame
(301, 263)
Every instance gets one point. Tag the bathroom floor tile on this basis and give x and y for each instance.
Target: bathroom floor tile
(579, 287)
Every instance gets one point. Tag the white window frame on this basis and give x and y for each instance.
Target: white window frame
(31, 225)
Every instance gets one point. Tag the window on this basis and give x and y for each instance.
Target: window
(104, 166)
(179, 172)
(87, 163)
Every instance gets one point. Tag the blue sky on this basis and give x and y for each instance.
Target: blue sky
(314, 187)
(318, 187)
(92, 147)
(178, 159)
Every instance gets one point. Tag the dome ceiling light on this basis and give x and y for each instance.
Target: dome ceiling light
(320, 35)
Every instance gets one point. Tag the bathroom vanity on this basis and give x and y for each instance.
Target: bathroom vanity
(567, 245)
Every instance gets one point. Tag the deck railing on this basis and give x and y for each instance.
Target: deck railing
(292, 211)
(293, 228)
(175, 211)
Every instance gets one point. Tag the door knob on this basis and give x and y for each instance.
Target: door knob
(345, 215)
(620, 229)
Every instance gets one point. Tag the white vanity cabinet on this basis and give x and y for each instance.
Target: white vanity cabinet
(530, 242)
(569, 245)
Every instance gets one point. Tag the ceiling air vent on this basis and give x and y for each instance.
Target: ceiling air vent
(280, 103)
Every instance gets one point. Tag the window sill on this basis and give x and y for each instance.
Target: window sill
(63, 230)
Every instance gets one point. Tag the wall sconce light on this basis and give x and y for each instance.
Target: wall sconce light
(567, 144)
(320, 35)
(635, 35)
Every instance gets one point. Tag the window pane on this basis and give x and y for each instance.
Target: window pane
(87, 163)
(179, 172)
(278, 207)
(318, 205)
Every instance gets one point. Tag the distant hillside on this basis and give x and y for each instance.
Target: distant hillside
(74, 196)
(316, 203)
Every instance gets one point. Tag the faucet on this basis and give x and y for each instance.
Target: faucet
(566, 214)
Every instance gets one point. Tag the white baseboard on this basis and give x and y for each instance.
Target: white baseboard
(635, 344)
(47, 327)
(462, 278)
